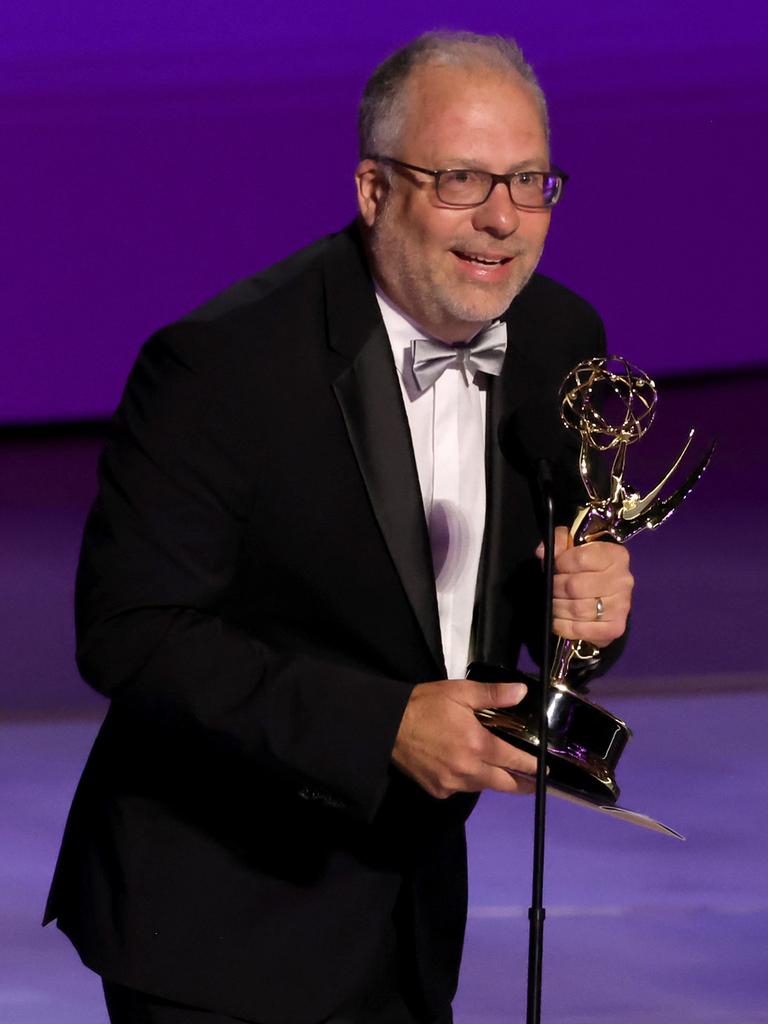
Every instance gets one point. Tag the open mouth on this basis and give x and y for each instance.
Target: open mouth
(482, 261)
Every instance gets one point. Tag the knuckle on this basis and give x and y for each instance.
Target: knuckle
(583, 557)
(494, 695)
(445, 782)
(474, 747)
(505, 783)
(558, 588)
(440, 792)
(622, 555)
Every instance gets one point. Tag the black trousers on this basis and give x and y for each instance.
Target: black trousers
(127, 1006)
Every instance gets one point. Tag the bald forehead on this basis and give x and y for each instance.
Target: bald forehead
(434, 87)
(461, 95)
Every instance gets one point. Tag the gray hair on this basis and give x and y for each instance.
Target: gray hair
(381, 113)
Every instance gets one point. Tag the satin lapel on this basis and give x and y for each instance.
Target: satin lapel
(366, 387)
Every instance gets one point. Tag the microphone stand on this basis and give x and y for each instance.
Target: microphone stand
(536, 912)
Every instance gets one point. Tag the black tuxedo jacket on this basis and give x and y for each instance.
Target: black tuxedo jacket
(256, 597)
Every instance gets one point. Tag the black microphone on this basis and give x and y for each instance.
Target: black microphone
(532, 440)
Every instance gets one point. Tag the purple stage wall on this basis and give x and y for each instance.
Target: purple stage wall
(153, 153)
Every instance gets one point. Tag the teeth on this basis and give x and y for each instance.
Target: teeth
(478, 259)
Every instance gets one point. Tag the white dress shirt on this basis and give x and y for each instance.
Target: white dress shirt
(447, 424)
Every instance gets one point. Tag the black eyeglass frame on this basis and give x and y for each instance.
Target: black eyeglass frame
(494, 181)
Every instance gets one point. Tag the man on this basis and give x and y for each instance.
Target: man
(301, 531)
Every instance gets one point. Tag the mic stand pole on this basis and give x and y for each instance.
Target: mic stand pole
(536, 912)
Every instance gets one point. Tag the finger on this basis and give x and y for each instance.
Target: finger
(577, 586)
(597, 556)
(563, 541)
(483, 762)
(493, 695)
(598, 633)
(490, 764)
(527, 782)
(500, 754)
(613, 607)
(581, 610)
(502, 781)
(511, 759)
(497, 758)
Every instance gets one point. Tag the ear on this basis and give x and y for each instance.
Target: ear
(372, 187)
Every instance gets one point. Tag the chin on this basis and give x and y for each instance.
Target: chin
(488, 305)
(484, 309)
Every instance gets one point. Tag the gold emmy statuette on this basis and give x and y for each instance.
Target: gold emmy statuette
(611, 404)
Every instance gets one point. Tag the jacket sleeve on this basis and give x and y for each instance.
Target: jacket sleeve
(158, 629)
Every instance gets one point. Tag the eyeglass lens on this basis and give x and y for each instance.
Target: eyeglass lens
(528, 188)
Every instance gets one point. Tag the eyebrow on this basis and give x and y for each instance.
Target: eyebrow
(460, 163)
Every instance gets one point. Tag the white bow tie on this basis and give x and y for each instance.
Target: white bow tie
(484, 352)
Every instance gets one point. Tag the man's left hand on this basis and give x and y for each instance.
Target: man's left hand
(592, 589)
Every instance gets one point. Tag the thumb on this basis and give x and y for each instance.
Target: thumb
(563, 541)
(496, 695)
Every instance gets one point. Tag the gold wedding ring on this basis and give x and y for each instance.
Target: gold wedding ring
(599, 609)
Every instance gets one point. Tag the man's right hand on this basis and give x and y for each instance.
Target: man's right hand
(442, 746)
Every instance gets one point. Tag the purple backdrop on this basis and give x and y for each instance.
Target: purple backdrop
(156, 152)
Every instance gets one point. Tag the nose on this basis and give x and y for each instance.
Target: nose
(498, 216)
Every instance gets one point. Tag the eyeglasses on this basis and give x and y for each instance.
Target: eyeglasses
(465, 186)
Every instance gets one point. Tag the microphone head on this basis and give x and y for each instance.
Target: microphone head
(533, 435)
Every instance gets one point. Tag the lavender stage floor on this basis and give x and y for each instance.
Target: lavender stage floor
(640, 928)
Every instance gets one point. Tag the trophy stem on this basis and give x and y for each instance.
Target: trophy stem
(561, 660)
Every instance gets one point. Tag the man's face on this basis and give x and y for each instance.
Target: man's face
(426, 255)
